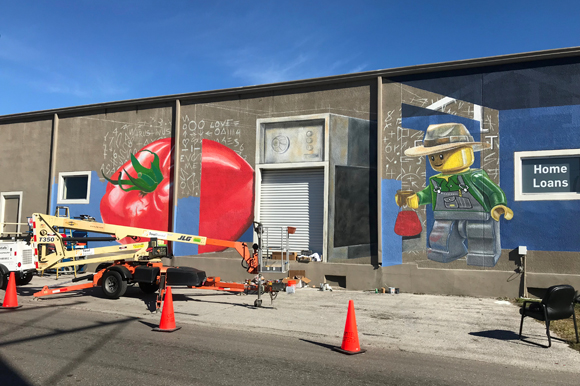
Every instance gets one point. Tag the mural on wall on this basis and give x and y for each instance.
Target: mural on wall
(139, 191)
(226, 132)
(129, 138)
(226, 194)
(409, 110)
(467, 204)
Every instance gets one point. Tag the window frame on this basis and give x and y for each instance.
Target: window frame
(61, 179)
(519, 156)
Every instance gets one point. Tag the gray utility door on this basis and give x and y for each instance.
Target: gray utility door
(294, 198)
(10, 212)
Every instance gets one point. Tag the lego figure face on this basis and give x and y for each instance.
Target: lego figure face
(452, 161)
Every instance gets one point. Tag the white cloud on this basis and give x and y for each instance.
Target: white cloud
(359, 68)
(261, 71)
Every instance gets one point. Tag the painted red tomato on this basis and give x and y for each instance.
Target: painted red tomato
(226, 194)
(138, 193)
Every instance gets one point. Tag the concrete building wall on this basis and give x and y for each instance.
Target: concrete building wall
(207, 145)
(25, 160)
(518, 108)
(231, 123)
(100, 142)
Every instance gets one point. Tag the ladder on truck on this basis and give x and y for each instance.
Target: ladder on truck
(63, 212)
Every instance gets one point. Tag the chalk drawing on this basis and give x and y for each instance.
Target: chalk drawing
(192, 132)
(128, 138)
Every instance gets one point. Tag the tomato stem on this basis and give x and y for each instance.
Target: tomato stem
(147, 179)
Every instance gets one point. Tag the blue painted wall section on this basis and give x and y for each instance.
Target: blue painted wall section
(392, 244)
(539, 225)
(97, 189)
(186, 220)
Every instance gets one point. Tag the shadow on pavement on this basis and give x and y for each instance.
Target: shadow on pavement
(325, 345)
(250, 306)
(510, 335)
(151, 325)
(61, 333)
(497, 334)
(11, 377)
(36, 308)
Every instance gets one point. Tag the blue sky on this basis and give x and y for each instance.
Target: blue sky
(67, 53)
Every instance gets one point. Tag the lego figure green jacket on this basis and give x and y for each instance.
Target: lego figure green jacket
(483, 189)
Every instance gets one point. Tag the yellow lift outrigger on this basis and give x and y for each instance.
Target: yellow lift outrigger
(138, 262)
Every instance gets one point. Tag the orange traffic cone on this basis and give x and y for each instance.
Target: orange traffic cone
(10, 299)
(350, 343)
(167, 323)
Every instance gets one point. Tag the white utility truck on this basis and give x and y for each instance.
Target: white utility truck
(17, 255)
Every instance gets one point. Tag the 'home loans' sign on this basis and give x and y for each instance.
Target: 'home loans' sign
(550, 175)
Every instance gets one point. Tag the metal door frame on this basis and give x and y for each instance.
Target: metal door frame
(260, 124)
(3, 197)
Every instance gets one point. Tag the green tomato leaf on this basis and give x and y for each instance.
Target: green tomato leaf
(137, 166)
(139, 183)
(147, 179)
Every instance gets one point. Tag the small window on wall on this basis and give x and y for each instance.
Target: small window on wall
(74, 188)
(547, 175)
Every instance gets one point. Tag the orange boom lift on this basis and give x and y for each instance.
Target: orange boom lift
(139, 262)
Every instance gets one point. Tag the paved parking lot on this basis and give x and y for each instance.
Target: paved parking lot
(458, 327)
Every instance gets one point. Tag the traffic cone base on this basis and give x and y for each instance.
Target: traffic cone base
(362, 350)
(166, 330)
(350, 343)
(167, 323)
(10, 299)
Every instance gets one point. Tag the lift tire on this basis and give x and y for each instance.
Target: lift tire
(149, 288)
(186, 276)
(113, 285)
(4, 275)
(102, 266)
(23, 280)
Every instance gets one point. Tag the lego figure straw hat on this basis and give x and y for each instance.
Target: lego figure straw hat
(444, 137)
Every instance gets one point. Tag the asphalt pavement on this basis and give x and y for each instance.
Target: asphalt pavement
(481, 329)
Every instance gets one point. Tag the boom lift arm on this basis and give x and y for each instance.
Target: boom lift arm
(45, 232)
(138, 262)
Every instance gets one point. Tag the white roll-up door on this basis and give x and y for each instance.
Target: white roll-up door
(294, 198)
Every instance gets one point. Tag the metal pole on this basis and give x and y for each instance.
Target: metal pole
(525, 281)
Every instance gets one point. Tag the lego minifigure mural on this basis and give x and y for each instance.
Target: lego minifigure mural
(467, 204)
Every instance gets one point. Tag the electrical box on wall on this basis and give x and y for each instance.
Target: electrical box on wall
(294, 141)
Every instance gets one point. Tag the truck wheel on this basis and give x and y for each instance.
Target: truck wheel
(113, 285)
(3, 281)
(24, 279)
(149, 288)
(102, 266)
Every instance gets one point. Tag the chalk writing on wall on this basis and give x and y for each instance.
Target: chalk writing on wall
(128, 138)
(225, 131)
(490, 134)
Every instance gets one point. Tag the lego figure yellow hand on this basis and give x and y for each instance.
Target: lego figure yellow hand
(498, 210)
(402, 195)
(413, 201)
